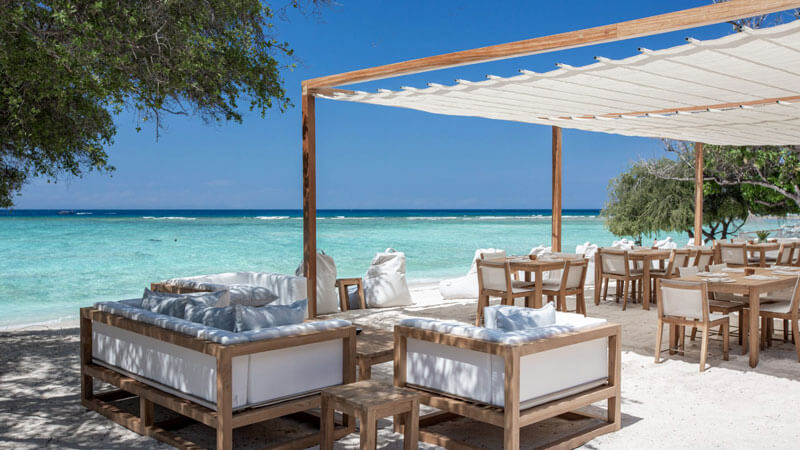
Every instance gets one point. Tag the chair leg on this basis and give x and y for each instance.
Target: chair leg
(704, 349)
(659, 332)
(694, 334)
(562, 303)
(682, 340)
(796, 337)
(482, 302)
(726, 340)
(741, 326)
(625, 295)
(785, 330)
(580, 301)
(605, 289)
(744, 332)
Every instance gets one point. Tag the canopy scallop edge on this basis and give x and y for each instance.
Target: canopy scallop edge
(741, 89)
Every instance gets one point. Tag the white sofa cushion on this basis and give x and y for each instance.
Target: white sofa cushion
(286, 288)
(513, 318)
(327, 297)
(250, 295)
(249, 318)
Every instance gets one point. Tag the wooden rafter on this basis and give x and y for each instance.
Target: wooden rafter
(662, 23)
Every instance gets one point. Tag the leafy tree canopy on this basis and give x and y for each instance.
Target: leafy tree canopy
(66, 66)
(642, 203)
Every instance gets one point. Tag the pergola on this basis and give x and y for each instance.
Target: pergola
(741, 89)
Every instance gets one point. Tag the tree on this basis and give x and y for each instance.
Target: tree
(642, 204)
(769, 176)
(67, 66)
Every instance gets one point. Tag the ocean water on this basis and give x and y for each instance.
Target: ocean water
(51, 264)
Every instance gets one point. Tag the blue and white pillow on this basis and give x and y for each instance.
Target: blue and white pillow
(221, 317)
(250, 318)
(175, 304)
(519, 318)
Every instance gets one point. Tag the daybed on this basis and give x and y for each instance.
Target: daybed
(511, 379)
(222, 379)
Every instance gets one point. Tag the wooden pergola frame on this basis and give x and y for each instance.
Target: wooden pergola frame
(662, 23)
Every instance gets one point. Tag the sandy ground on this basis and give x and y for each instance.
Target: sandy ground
(668, 405)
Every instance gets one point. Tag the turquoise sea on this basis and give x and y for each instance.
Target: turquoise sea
(51, 264)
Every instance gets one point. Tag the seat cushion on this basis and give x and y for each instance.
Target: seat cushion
(518, 318)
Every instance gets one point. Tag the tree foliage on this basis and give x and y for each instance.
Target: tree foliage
(644, 204)
(66, 66)
(768, 176)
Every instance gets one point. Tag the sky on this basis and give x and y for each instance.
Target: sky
(372, 157)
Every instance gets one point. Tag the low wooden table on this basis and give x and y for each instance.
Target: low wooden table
(373, 346)
(369, 401)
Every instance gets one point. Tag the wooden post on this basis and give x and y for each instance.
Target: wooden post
(556, 211)
(698, 193)
(309, 201)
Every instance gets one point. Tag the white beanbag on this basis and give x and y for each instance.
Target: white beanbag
(385, 282)
(327, 298)
(466, 286)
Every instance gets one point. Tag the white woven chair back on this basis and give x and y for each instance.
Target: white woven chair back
(493, 278)
(574, 276)
(732, 254)
(703, 259)
(614, 263)
(688, 271)
(679, 302)
(717, 267)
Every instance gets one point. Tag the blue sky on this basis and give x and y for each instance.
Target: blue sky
(377, 157)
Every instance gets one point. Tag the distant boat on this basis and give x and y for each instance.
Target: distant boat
(66, 213)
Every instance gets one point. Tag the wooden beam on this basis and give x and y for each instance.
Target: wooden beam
(698, 193)
(556, 210)
(662, 23)
(309, 202)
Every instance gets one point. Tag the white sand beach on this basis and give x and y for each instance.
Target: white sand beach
(667, 405)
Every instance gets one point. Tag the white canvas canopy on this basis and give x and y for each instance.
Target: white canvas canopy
(741, 89)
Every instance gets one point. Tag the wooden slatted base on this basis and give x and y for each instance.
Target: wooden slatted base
(190, 412)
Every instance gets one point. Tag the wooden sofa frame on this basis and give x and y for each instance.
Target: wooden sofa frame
(224, 419)
(510, 418)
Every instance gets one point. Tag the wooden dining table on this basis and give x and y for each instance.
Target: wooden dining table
(535, 267)
(752, 289)
(762, 248)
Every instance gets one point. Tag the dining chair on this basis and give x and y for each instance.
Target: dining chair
(785, 254)
(703, 258)
(734, 255)
(678, 258)
(615, 265)
(494, 280)
(725, 304)
(685, 304)
(784, 308)
(573, 278)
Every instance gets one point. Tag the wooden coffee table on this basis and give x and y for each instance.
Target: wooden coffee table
(373, 346)
(369, 401)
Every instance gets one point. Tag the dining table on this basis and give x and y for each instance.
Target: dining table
(535, 268)
(734, 280)
(761, 248)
